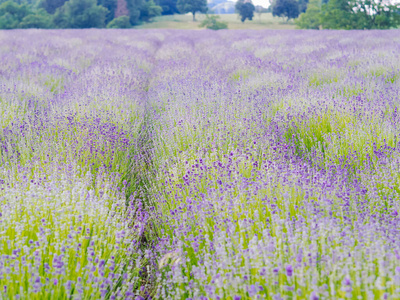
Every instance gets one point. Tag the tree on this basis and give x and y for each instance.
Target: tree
(377, 14)
(11, 14)
(60, 18)
(311, 19)
(80, 14)
(192, 6)
(245, 9)
(14, 15)
(149, 10)
(338, 14)
(120, 22)
(51, 5)
(168, 7)
(142, 10)
(16, 1)
(303, 5)
(134, 10)
(286, 9)
(111, 5)
(353, 14)
(41, 19)
(211, 22)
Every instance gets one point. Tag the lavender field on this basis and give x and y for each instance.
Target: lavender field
(161, 164)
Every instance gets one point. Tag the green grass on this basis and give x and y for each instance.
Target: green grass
(265, 21)
(340, 136)
(55, 85)
(36, 209)
(319, 80)
(390, 76)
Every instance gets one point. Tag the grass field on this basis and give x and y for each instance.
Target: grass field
(263, 21)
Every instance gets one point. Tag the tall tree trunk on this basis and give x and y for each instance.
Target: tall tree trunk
(194, 16)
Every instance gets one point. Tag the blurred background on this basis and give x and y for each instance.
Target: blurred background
(200, 14)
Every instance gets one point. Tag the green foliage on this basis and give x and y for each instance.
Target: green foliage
(312, 133)
(120, 22)
(14, 15)
(356, 14)
(303, 4)
(149, 10)
(337, 14)
(286, 9)
(111, 5)
(377, 14)
(51, 5)
(192, 6)
(8, 21)
(319, 80)
(211, 22)
(134, 11)
(338, 136)
(245, 10)
(60, 18)
(168, 7)
(80, 14)
(11, 14)
(18, 1)
(142, 10)
(311, 19)
(39, 20)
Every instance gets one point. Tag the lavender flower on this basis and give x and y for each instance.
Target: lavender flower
(203, 164)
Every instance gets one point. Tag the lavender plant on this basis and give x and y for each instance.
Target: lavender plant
(273, 165)
(73, 217)
(199, 165)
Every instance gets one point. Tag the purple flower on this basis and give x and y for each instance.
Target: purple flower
(314, 296)
(289, 270)
(347, 281)
(253, 290)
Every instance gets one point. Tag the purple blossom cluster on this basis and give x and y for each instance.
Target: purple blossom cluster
(199, 165)
(278, 155)
(71, 225)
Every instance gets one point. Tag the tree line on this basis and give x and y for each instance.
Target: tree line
(308, 14)
(81, 13)
(339, 14)
(91, 13)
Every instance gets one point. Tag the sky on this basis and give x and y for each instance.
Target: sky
(264, 3)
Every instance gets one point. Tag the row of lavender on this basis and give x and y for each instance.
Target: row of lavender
(71, 121)
(278, 159)
(271, 160)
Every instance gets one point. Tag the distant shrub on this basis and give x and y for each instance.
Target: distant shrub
(311, 19)
(245, 9)
(11, 14)
(39, 20)
(288, 9)
(80, 14)
(211, 22)
(120, 22)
